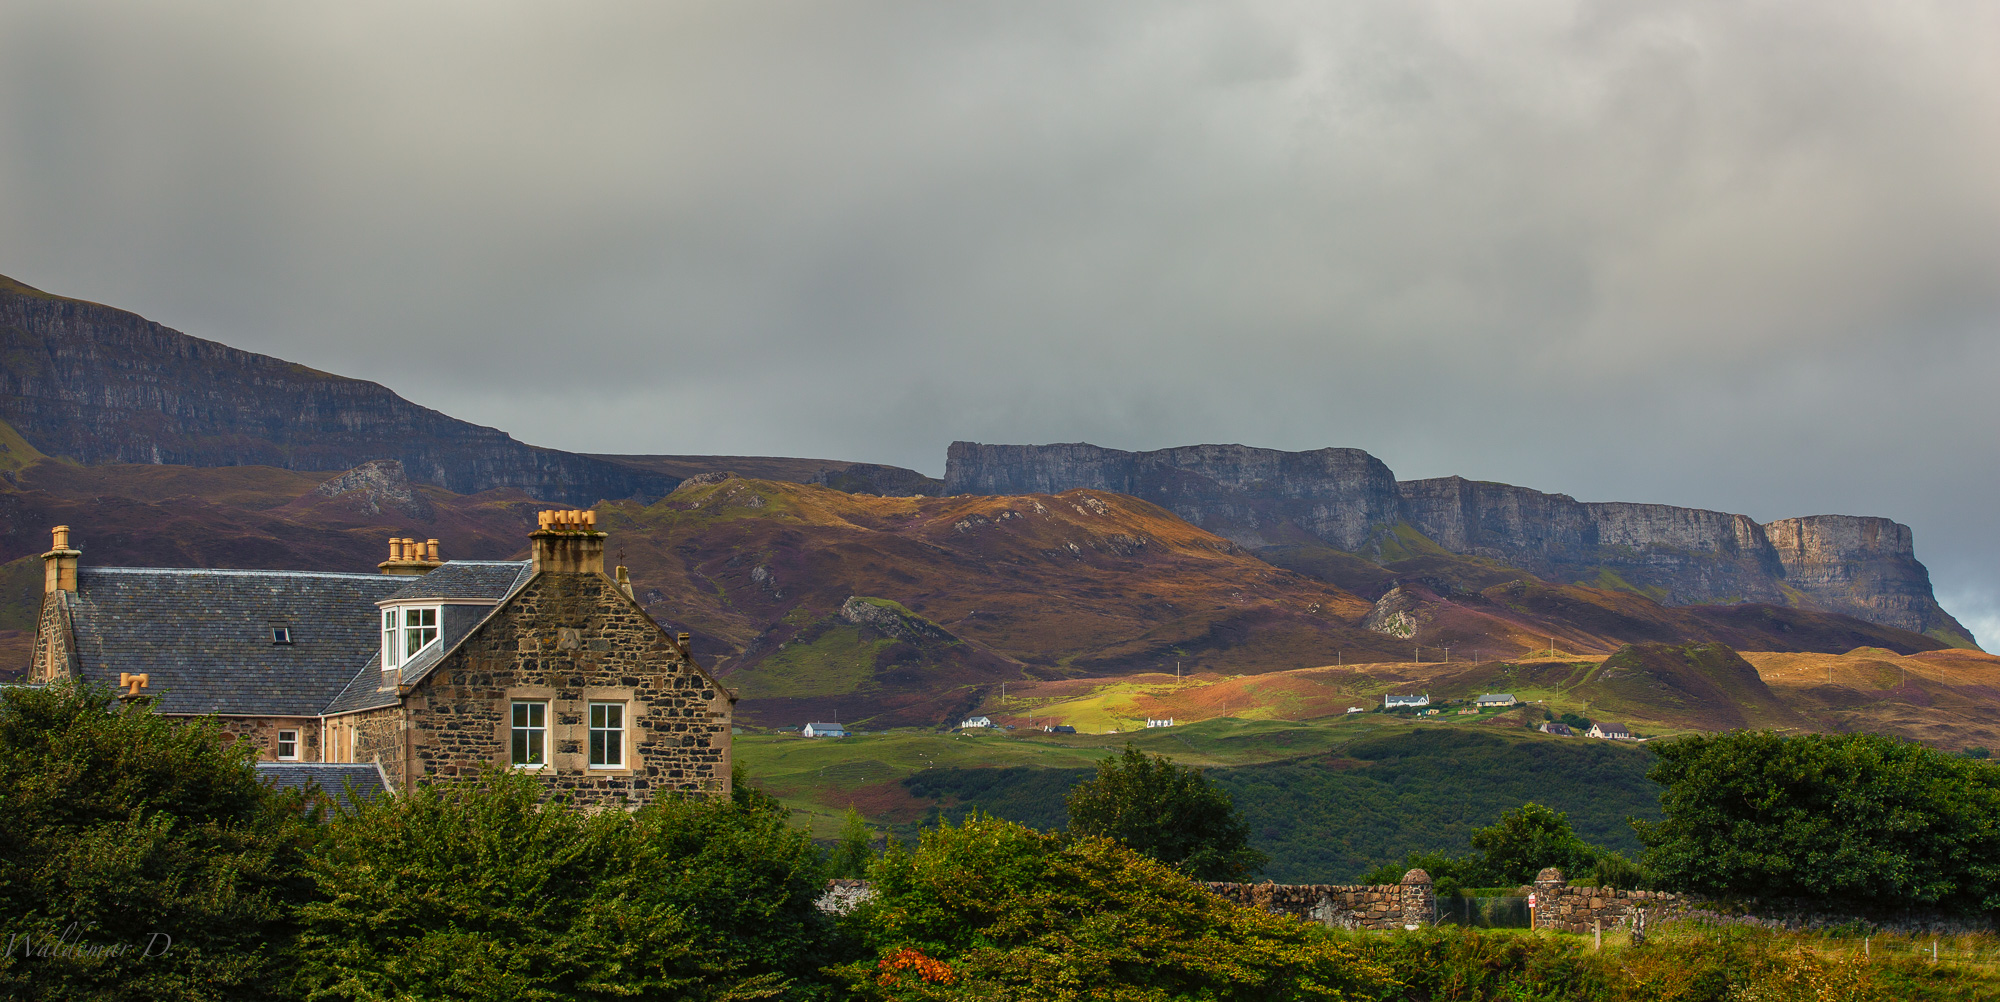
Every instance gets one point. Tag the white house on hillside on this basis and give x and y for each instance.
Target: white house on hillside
(823, 730)
(1493, 699)
(977, 722)
(1150, 722)
(1393, 702)
(1615, 732)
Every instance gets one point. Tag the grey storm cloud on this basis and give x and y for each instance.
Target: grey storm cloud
(1739, 255)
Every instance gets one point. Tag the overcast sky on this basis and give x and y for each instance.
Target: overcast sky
(1741, 255)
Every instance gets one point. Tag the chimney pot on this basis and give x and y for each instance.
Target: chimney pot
(431, 550)
(60, 563)
(565, 543)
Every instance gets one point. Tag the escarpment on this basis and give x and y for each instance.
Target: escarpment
(100, 385)
(1350, 501)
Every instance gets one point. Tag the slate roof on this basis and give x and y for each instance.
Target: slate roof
(487, 579)
(364, 691)
(204, 636)
(1498, 697)
(366, 777)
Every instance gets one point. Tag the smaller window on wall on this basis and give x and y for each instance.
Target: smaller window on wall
(288, 746)
(607, 735)
(531, 733)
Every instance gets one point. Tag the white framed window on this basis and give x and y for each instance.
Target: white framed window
(288, 746)
(531, 733)
(607, 735)
(420, 630)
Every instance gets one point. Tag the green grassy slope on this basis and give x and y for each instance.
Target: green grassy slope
(1327, 799)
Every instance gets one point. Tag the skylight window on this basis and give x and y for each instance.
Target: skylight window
(281, 634)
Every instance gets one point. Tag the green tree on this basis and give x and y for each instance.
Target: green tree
(485, 890)
(1853, 817)
(992, 910)
(851, 855)
(1527, 839)
(117, 824)
(1165, 811)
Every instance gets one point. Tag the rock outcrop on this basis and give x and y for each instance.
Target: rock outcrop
(100, 385)
(1349, 500)
(379, 484)
(1256, 497)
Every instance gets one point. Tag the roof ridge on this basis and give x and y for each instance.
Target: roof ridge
(231, 570)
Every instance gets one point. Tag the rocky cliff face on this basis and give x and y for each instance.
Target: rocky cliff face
(100, 385)
(1345, 498)
(1257, 497)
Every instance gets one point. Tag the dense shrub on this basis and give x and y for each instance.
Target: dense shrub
(1168, 812)
(991, 910)
(115, 825)
(1685, 964)
(1512, 851)
(1850, 818)
(484, 891)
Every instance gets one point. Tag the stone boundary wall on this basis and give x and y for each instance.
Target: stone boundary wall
(1558, 906)
(1342, 906)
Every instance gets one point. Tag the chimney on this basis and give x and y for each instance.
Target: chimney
(625, 582)
(409, 557)
(59, 564)
(567, 542)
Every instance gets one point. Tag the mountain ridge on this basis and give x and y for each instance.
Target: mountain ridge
(1349, 501)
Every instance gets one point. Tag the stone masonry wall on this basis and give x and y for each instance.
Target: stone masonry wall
(1579, 909)
(370, 736)
(1345, 906)
(262, 733)
(568, 639)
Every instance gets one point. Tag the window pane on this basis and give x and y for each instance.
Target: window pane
(535, 747)
(598, 741)
(535, 714)
(614, 714)
(521, 747)
(520, 714)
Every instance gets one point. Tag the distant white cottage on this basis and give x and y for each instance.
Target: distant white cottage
(1395, 702)
(1150, 722)
(1615, 732)
(1493, 699)
(823, 730)
(976, 722)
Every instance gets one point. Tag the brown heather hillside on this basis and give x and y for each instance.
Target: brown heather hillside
(967, 591)
(813, 602)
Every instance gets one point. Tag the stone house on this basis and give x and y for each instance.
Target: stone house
(430, 669)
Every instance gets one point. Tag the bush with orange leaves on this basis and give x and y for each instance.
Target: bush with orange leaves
(1006, 913)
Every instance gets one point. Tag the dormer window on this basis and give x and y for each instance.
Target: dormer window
(406, 632)
(420, 630)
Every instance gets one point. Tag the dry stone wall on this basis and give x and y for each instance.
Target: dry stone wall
(1345, 906)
